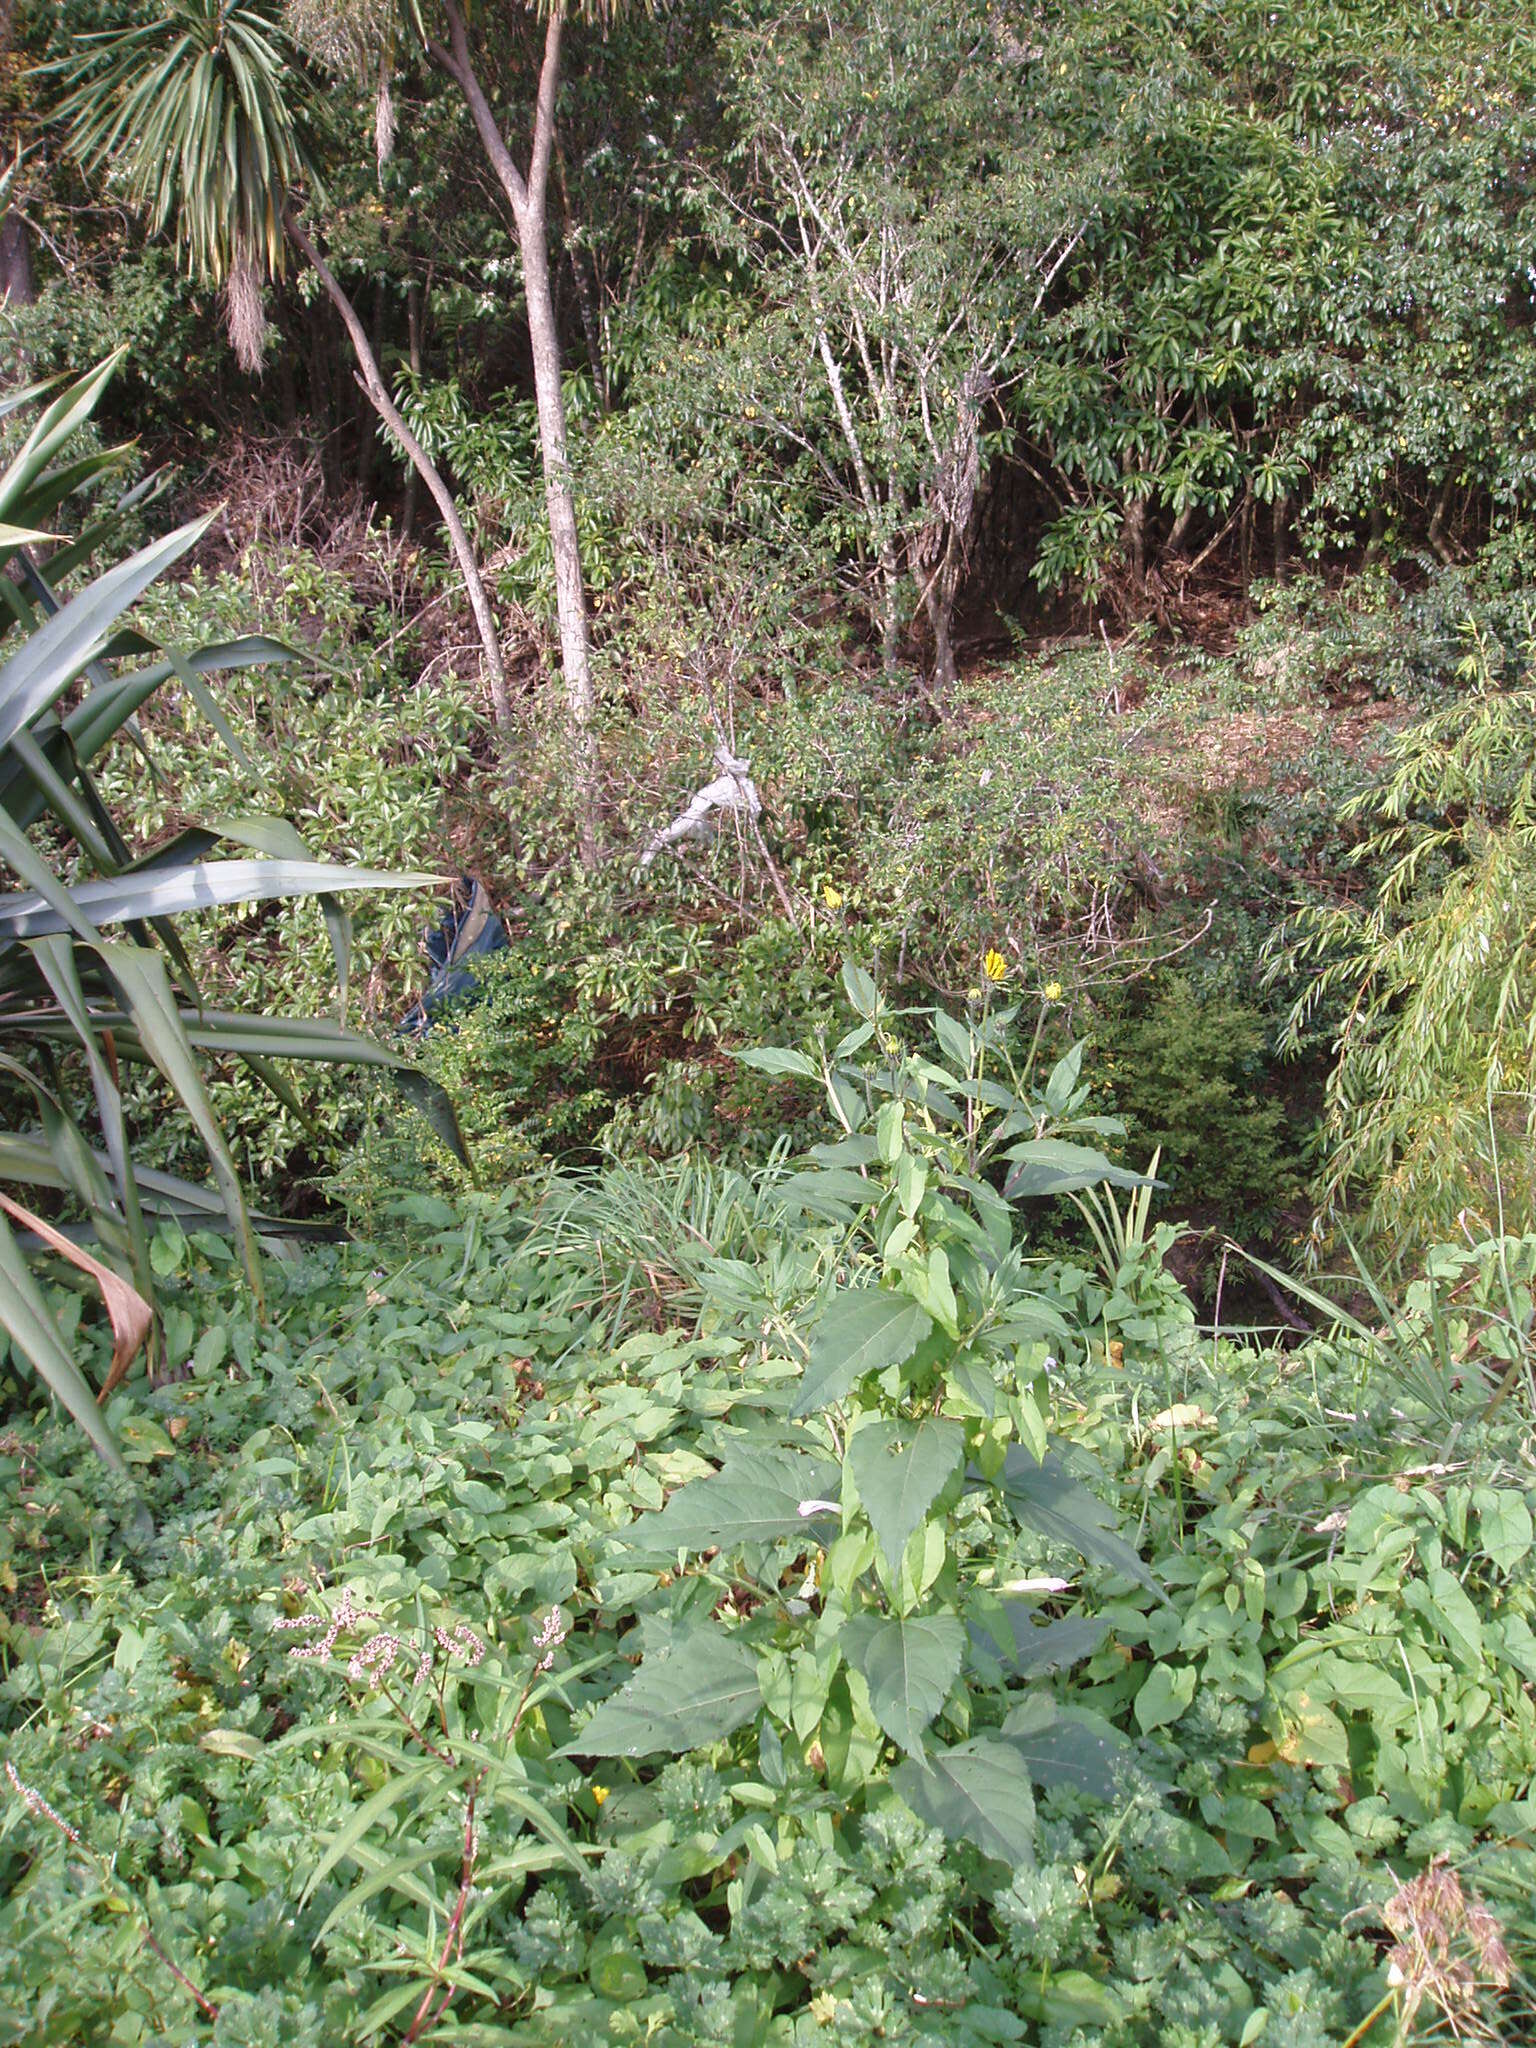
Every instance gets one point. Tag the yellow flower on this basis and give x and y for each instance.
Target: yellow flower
(600, 1793)
(1053, 991)
(994, 966)
(833, 898)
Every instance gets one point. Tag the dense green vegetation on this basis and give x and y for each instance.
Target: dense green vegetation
(910, 1418)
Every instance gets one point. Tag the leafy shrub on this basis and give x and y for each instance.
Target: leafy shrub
(1429, 1108)
(1190, 1073)
(1327, 1697)
(357, 752)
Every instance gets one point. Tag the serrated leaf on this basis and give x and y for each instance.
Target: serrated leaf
(755, 1497)
(979, 1792)
(701, 1688)
(909, 1662)
(1044, 1496)
(1006, 1637)
(774, 1059)
(1069, 1747)
(899, 1481)
(862, 1332)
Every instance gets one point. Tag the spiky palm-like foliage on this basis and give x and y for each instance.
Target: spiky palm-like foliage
(92, 974)
(200, 116)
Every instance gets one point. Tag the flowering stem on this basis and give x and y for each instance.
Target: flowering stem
(453, 1941)
(35, 1801)
(443, 1756)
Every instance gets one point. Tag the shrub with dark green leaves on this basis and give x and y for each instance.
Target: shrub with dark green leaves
(1191, 1072)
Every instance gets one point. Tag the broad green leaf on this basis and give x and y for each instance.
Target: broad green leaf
(1070, 1998)
(864, 1331)
(1165, 1693)
(702, 1687)
(1440, 1597)
(1005, 1636)
(757, 1496)
(1503, 1525)
(1064, 1076)
(1067, 1746)
(832, 1191)
(859, 1150)
(779, 1060)
(1049, 1500)
(978, 1792)
(888, 1131)
(909, 1662)
(899, 1481)
(955, 1039)
(1052, 1166)
(862, 994)
(238, 1742)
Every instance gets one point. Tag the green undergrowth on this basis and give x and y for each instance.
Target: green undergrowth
(1271, 1659)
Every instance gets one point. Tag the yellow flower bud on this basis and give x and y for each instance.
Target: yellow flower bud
(833, 898)
(1053, 991)
(994, 966)
(600, 1793)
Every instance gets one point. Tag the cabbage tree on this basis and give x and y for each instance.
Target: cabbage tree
(201, 113)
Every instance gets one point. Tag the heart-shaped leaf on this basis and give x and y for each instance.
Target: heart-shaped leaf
(899, 1481)
(909, 1662)
(862, 1332)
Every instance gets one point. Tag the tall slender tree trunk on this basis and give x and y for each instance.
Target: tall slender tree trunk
(16, 282)
(368, 425)
(528, 200)
(939, 596)
(585, 302)
(373, 383)
(1282, 536)
(413, 326)
(16, 287)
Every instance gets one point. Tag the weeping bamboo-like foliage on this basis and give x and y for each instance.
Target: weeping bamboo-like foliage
(1430, 1109)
